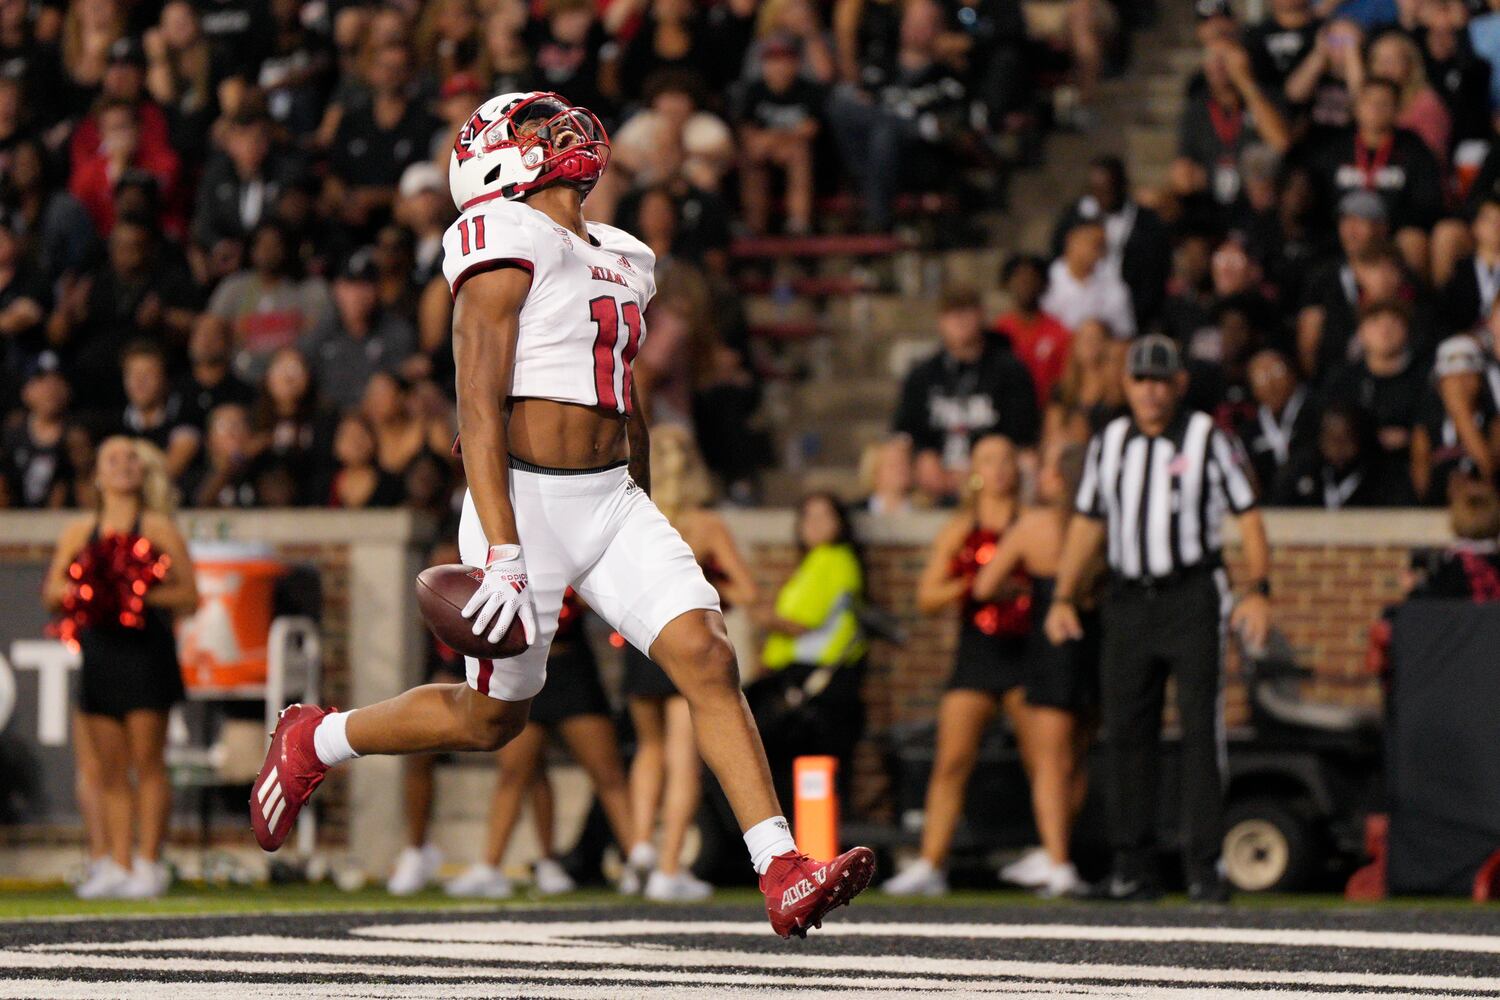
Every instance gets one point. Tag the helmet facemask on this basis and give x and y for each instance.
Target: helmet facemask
(564, 145)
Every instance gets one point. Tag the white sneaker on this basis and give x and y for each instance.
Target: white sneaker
(679, 888)
(148, 880)
(638, 867)
(416, 869)
(919, 879)
(106, 880)
(1029, 871)
(78, 876)
(550, 878)
(480, 881)
(1062, 881)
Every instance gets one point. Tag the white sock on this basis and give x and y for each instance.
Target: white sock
(767, 839)
(329, 739)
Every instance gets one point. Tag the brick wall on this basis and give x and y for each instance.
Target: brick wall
(1330, 576)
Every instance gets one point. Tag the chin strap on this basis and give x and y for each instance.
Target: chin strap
(580, 170)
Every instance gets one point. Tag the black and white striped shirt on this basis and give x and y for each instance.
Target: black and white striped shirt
(1164, 497)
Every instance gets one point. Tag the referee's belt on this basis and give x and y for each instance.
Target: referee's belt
(1151, 584)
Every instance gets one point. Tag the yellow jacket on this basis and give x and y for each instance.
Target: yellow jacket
(821, 596)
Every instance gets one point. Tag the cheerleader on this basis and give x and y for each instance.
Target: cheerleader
(989, 668)
(1062, 681)
(130, 675)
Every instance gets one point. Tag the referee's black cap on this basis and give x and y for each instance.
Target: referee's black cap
(1153, 356)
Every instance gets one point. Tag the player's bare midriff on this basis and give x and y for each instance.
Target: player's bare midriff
(565, 435)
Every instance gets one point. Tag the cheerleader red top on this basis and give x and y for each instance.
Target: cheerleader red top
(1009, 616)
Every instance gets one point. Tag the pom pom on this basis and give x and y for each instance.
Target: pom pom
(111, 577)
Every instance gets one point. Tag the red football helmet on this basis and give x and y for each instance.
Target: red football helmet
(514, 144)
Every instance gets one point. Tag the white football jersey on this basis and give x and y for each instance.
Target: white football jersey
(581, 324)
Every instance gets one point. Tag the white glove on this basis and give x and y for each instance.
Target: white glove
(503, 595)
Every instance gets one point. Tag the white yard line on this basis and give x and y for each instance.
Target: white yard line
(537, 945)
(16, 961)
(44, 989)
(508, 931)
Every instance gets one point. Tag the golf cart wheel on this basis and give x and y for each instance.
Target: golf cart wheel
(1268, 846)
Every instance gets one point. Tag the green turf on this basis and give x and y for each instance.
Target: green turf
(196, 898)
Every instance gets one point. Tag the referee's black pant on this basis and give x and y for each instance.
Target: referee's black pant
(1173, 628)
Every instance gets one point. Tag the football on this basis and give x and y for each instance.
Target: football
(442, 592)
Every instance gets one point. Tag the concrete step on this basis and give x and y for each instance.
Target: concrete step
(835, 442)
(1150, 145)
(783, 488)
(850, 398)
(884, 314)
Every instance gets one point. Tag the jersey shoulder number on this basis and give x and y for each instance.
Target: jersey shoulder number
(490, 236)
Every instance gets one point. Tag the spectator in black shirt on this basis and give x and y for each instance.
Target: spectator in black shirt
(359, 482)
(210, 382)
(973, 386)
(990, 39)
(1457, 422)
(1469, 295)
(1386, 384)
(295, 74)
(899, 130)
(1343, 471)
(1460, 77)
(566, 46)
(778, 121)
(1282, 423)
(180, 75)
(240, 186)
(375, 142)
(34, 452)
(674, 35)
(1281, 41)
(35, 64)
(1288, 238)
(139, 293)
(292, 426)
(1375, 155)
(1195, 321)
(1321, 82)
(1136, 240)
(1215, 129)
(56, 233)
(225, 474)
(152, 411)
(240, 32)
(1376, 276)
(23, 301)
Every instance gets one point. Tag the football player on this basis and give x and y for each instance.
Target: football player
(547, 320)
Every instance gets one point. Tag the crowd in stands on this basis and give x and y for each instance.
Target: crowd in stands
(221, 220)
(1325, 250)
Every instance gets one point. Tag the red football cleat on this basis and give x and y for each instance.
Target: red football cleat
(289, 776)
(800, 891)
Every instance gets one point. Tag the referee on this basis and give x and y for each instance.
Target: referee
(1155, 488)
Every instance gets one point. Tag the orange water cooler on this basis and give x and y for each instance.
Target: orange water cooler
(224, 643)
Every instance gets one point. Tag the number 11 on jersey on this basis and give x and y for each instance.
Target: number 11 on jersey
(464, 244)
(606, 311)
